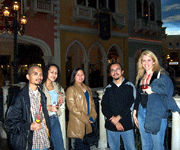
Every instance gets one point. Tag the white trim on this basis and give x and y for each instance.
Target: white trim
(29, 40)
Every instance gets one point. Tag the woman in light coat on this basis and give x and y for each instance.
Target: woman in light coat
(81, 109)
(55, 97)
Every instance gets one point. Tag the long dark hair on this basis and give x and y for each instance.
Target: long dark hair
(73, 74)
(45, 73)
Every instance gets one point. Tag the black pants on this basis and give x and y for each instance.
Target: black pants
(79, 145)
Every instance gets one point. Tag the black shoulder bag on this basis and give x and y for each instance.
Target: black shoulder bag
(91, 138)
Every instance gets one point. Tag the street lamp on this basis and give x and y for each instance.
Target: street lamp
(17, 30)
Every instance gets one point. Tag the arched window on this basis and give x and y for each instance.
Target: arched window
(177, 45)
(95, 67)
(139, 9)
(145, 8)
(112, 58)
(110, 4)
(81, 2)
(152, 12)
(170, 45)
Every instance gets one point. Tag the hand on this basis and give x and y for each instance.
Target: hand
(115, 120)
(119, 126)
(60, 99)
(148, 90)
(35, 126)
(52, 108)
(90, 121)
(135, 118)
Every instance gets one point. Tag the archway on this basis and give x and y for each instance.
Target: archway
(75, 57)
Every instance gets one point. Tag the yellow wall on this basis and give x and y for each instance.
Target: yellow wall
(87, 41)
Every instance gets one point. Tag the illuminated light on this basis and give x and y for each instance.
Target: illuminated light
(16, 5)
(6, 10)
(23, 19)
(173, 63)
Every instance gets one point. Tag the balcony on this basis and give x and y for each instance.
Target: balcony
(40, 6)
(148, 26)
(87, 14)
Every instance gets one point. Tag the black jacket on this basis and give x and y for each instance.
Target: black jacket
(118, 101)
(19, 119)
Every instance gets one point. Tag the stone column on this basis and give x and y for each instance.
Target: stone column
(102, 130)
(132, 69)
(62, 120)
(5, 93)
(176, 127)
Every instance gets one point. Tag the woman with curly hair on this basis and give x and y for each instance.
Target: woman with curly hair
(154, 97)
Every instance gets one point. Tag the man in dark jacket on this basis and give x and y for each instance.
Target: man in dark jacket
(20, 123)
(117, 102)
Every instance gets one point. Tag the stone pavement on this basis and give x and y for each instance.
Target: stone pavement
(4, 145)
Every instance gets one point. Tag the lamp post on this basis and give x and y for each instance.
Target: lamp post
(15, 25)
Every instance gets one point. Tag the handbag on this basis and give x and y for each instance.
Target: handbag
(91, 138)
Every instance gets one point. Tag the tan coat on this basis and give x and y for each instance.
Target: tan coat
(77, 105)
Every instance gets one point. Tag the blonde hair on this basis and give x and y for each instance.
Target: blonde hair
(141, 70)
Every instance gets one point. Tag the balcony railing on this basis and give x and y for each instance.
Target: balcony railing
(148, 26)
(87, 14)
(102, 144)
(40, 6)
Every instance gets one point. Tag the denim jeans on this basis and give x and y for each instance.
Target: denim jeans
(150, 141)
(43, 149)
(56, 134)
(114, 139)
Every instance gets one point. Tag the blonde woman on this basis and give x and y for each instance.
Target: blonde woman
(154, 98)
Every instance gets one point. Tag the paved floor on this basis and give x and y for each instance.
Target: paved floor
(3, 144)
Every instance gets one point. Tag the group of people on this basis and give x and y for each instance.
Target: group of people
(32, 120)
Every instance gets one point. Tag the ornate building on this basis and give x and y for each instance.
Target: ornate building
(145, 30)
(88, 34)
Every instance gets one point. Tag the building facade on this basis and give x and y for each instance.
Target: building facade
(71, 34)
(171, 54)
(145, 30)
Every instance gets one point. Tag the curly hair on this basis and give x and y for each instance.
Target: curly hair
(141, 70)
(45, 73)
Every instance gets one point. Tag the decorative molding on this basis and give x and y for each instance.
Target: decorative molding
(28, 40)
(145, 41)
(90, 31)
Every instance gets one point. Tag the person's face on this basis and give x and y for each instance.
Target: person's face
(79, 77)
(147, 63)
(116, 71)
(35, 76)
(52, 73)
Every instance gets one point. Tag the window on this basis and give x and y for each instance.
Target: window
(110, 4)
(145, 8)
(92, 3)
(177, 45)
(139, 9)
(81, 2)
(170, 46)
(152, 12)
